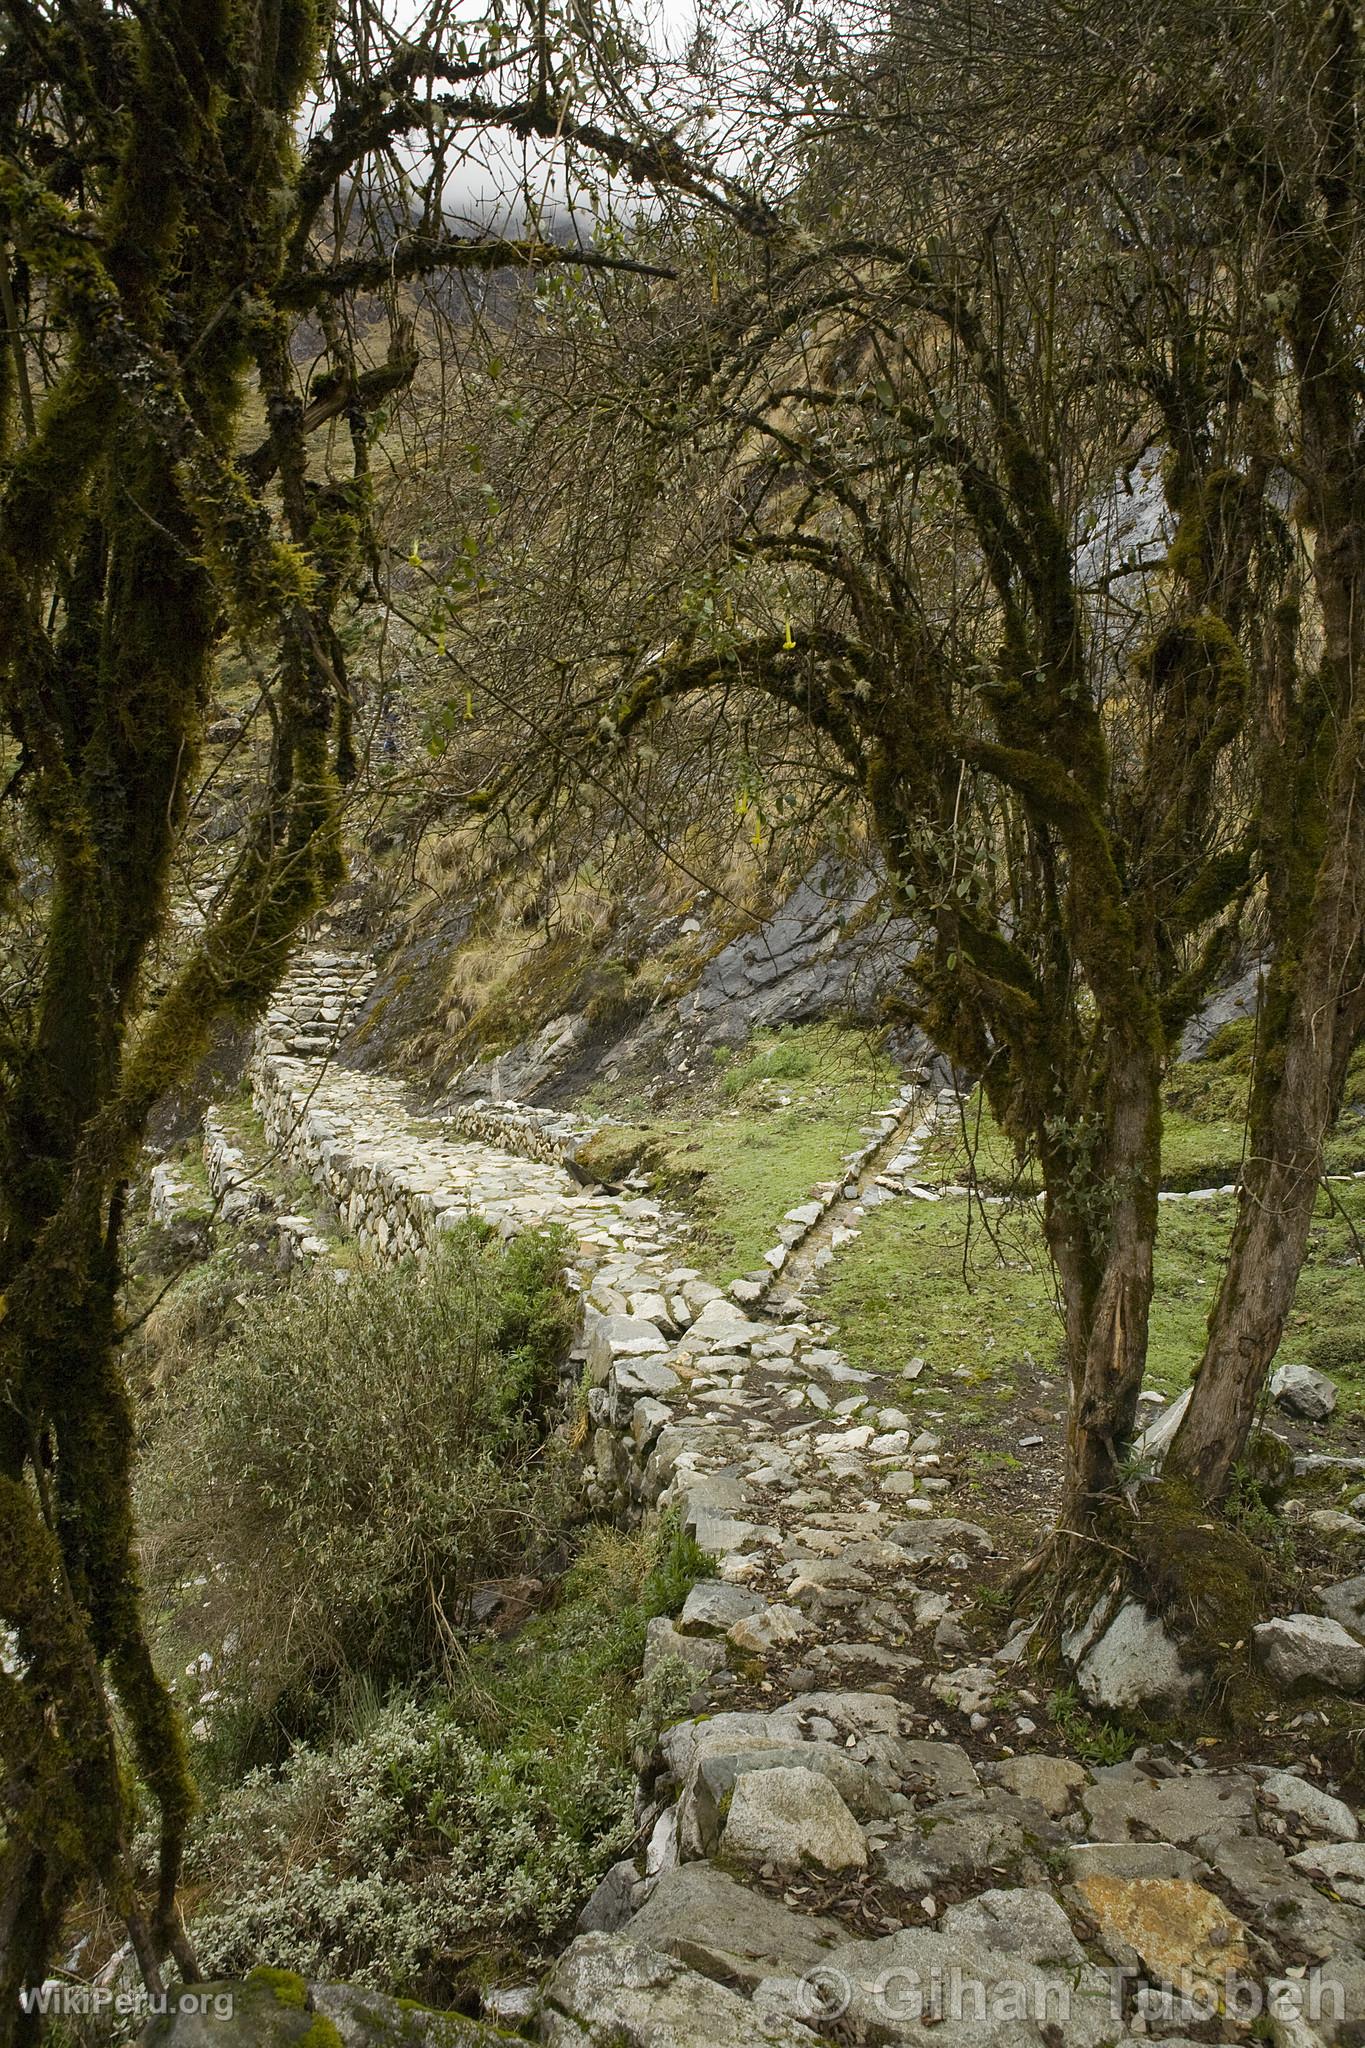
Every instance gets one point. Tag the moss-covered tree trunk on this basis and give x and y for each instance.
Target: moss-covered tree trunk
(164, 223)
(1312, 780)
(1104, 1263)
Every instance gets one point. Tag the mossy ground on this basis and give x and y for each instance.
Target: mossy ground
(975, 1297)
(768, 1124)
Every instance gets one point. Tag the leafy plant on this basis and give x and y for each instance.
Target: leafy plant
(326, 1490)
(1089, 1736)
(437, 1836)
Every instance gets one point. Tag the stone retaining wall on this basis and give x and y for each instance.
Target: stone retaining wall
(520, 1128)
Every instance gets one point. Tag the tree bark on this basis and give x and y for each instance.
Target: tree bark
(1279, 1190)
(1105, 1267)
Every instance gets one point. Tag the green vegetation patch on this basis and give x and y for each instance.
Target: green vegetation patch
(1203, 1127)
(783, 1115)
(443, 1836)
(923, 1279)
(323, 1491)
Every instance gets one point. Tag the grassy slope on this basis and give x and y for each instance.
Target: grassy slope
(1203, 1131)
(773, 1122)
(906, 1287)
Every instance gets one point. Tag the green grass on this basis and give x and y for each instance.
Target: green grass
(741, 1156)
(1203, 1131)
(901, 1290)
(970, 1146)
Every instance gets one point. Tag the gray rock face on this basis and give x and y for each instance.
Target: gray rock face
(1229, 1006)
(769, 1630)
(1284, 1902)
(663, 1641)
(1192, 1811)
(712, 1606)
(1310, 1649)
(617, 1337)
(1134, 1662)
(943, 1769)
(1344, 1603)
(1154, 1442)
(1023, 1923)
(792, 1817)
(610, 1992)
(925, 1989)
(712, 1781)
(1308, 1808)
(367, 2019)
(934, 1537)
(1129, 1860)
(612, 1903)
(1301, 1391)
(816, 955)
(1338, 1864)
(718, 1926)
(967, 1838)
(722, 1322)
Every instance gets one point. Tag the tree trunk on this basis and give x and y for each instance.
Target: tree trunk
(1314, 1009)
(1280, 1188)
(1106, 1276)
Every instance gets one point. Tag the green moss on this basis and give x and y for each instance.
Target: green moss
(321, 2034)
(286, 1988)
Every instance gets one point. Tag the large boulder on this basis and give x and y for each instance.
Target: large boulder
(1126, 1803)
(792, 1817)
(1301, 1391)
(607, 1991)
(1125, 1657)
(714, 1924)
(1344, 1603)
(1310, 1650)
(927, 1989)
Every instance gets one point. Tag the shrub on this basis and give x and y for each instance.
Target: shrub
(328, 1488)
(440, 1836)
(396, 1858)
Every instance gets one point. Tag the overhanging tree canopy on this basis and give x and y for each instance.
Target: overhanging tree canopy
(173, 241)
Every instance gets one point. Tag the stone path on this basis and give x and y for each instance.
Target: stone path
(851, 1834)
(819, 1855)
(395, 1178)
